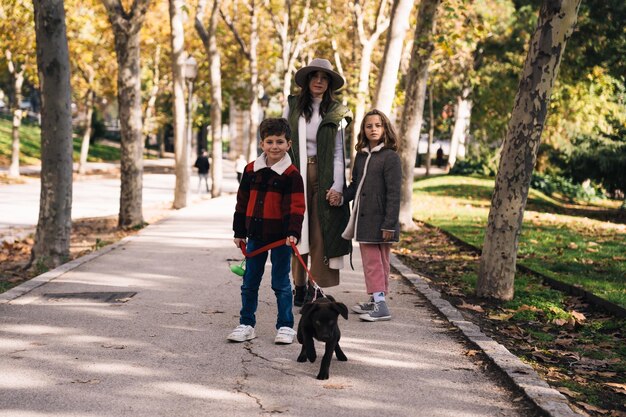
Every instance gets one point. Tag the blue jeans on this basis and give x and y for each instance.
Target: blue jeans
(281, 284)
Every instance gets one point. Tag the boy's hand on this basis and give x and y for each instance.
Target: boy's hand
(238, 241)
(290, 240)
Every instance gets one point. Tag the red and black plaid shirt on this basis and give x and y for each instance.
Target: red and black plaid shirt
(270, 206)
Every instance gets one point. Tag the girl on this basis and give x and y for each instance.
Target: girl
(375, 189)
(317, 121)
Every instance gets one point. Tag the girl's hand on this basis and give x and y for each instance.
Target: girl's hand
(333, 197)
(387, 235)
(238, 241)
(290, 240)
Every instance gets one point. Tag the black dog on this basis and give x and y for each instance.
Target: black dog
(319, 321)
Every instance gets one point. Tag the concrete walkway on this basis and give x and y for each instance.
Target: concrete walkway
(162, 351)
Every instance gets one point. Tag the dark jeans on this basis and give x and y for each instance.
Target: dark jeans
(281, 284)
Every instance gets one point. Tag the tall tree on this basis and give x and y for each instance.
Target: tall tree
(388, 76)
(293, 37)
(250, 51)
(519, 150)
(181, 154)
(412, 114)
(126, 27)
(368, 41)
(209, 40)
(16, 46)
(52, 238)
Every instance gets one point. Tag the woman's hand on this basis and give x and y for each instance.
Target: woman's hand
(333, 197)
(387, 235)
(290, 240)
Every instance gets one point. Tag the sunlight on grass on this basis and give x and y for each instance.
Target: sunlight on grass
(30, 146)
(568, 247)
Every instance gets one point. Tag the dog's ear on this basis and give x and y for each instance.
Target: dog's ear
(306, 311)
(341, 309)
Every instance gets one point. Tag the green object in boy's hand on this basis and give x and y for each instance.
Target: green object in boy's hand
(239, 269)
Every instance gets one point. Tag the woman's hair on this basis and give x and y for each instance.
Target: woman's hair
(390, 139)
(304, 105)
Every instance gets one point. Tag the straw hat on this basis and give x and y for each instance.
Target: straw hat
(319, 64)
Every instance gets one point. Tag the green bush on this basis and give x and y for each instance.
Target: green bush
(481, 166)
(553, 184)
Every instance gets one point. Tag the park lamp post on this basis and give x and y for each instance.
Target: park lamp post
(190, 71)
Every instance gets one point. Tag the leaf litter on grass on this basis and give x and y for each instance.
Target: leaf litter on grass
(576, 348)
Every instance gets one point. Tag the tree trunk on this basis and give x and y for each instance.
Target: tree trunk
(519, 150)
(52, 238)
(362, 93)
(215, 70)
(388, 77)
(181, 154)
(462, 114)
(148, 120)
(84, 145)
(126, 27)
(209, 40)
(254, 82)
(431, 130)
(18, 81)
(368, 44)
(412, 114)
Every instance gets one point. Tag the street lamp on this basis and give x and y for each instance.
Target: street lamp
(190, 71)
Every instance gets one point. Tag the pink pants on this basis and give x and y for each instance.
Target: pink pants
(375, 257)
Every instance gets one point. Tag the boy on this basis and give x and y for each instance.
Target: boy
(270, 207)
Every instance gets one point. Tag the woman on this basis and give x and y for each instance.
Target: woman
(318, 120)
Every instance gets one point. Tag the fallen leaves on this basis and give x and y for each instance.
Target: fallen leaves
(472, 307)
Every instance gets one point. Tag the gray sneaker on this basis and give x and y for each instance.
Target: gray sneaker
(365, 307)
(380, 312)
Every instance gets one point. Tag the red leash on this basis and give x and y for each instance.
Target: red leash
(276, 244)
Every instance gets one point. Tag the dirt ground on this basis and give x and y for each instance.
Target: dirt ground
(88, 235)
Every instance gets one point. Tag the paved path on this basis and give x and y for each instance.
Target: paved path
(163, 352)
(95, 196)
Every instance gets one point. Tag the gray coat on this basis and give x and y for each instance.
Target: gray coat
(376, 204)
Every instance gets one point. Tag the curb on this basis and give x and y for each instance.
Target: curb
(523, 376)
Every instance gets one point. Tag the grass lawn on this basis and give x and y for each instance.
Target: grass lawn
(560, 240)
(30, 146)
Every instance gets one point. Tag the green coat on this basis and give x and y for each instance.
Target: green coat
(333, 220)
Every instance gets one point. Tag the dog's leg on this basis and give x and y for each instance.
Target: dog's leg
(328, 355)
(302, 355)
(309, 344)
(339, 353)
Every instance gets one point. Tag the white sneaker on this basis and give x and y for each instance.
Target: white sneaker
(285, 336)
(242, 333)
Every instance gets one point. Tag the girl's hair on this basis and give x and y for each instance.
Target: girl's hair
(390, 139)
(305, 99)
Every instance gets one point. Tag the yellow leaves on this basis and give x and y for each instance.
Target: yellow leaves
(500, 316)
(592, 408)
(617, 387)
(472, 307)
(572, 245)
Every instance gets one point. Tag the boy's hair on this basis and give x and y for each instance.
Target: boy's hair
(275, 126)
(390, 139)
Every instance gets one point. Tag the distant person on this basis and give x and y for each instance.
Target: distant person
(374, 223)
(270, 208)
(203, 165)
(439, 159)
(240, 165)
